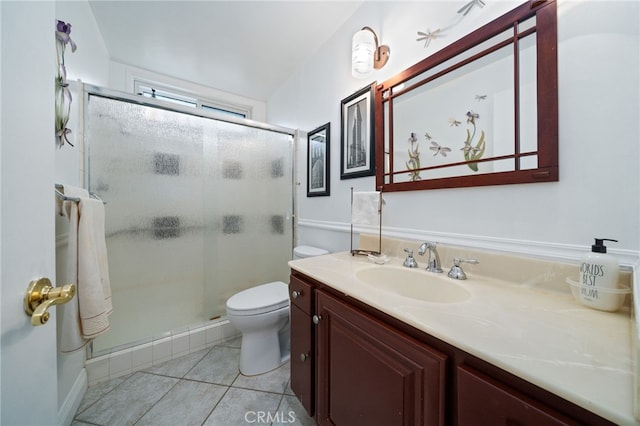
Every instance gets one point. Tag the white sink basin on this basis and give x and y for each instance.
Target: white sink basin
(414, 283)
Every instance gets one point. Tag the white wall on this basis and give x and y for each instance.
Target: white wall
(598, 191)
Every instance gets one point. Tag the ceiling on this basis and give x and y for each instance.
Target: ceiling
(248, 48)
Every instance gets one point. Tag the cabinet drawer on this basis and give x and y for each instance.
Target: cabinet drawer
(485, 401)
(301, 294)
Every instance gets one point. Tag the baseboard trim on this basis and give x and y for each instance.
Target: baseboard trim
(71, 403)
(538, 249)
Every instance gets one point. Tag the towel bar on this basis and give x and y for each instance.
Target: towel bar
(74, 199)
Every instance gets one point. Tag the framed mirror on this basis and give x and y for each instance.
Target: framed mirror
(482, 111)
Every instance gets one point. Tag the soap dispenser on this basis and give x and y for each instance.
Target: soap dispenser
(599, 273)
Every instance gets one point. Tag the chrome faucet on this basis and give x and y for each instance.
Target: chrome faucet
(433, 264)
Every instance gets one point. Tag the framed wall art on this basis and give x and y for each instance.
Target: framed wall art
(318, 161)
(357, 156)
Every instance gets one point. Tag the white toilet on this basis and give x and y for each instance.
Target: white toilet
(261, 314)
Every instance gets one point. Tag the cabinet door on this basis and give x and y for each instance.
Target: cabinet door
(370, 374)
(485, 401)
(302, 358)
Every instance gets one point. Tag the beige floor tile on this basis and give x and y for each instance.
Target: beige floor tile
(188, 403)
(96, 392)
(125, 404)
(272, 381)
(243, 406)
(219, 366)
(188, 390)
(291, 412)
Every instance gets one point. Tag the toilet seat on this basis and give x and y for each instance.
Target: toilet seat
(259, 300)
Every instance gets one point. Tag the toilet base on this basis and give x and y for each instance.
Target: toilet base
(259, 355)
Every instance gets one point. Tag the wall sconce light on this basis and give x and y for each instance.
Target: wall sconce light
(366, 54)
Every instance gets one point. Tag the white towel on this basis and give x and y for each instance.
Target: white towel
(365, 208)
(71, 337)
(85, 317)
(94, 287)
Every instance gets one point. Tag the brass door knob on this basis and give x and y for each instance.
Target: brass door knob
(41, 295)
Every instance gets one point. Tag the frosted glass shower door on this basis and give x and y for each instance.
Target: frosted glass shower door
(247, 205)
(146, 163)
(196, 210)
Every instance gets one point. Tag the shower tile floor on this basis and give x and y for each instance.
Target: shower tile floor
(202, 388)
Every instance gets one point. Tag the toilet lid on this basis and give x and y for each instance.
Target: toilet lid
(259, 299)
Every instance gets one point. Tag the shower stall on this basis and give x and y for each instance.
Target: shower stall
(198, 207)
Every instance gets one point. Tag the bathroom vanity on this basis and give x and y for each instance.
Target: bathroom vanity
(510, 350)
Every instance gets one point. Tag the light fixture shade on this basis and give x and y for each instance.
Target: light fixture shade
(363, 47)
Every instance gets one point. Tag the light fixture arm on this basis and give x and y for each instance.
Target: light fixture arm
(381, 55)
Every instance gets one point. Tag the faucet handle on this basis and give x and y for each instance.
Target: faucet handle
(409, 262)
(456, 271)
(457, 260)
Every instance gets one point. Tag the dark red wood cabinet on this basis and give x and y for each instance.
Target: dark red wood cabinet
(369, 374)
(354, 365)
(302, 344)
(484, 401)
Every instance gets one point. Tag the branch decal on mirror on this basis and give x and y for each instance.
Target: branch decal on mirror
(413, 163)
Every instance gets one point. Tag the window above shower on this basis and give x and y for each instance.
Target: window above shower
(176, 96)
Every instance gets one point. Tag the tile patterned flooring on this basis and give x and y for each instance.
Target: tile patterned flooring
(202, 388)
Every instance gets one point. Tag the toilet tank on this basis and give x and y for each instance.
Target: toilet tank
(300, 252)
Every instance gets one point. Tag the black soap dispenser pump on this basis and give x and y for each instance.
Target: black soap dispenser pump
(599, 246)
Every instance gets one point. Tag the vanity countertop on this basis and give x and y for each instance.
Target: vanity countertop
(541, 335)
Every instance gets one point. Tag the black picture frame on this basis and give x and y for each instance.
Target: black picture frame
(357, 138)
(318, 149)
